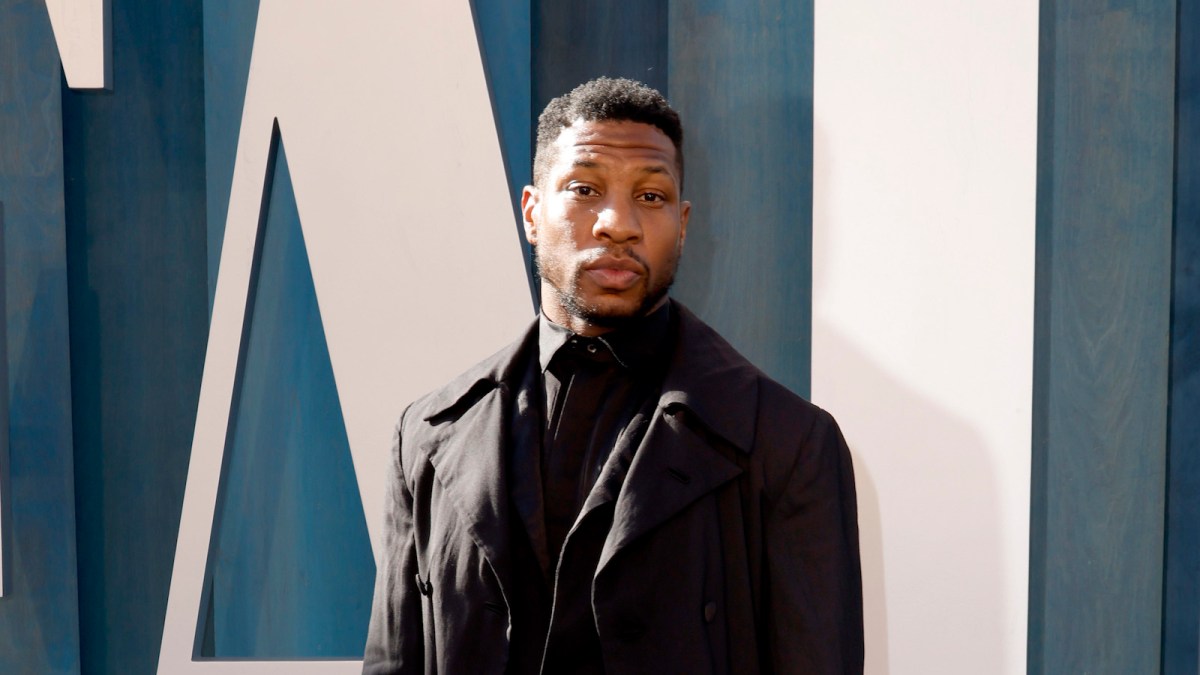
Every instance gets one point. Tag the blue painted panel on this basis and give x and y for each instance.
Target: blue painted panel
(137, 270)
(741, 76)
(503, 29)
(229, 27)
(290, 573)
(39, 621)
(6, 546)
(574, 42)
(1181, 599)
(1105, 174)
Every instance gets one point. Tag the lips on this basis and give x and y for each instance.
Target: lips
(613, 273)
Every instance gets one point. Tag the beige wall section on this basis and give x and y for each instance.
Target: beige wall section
(404, 205)
(81, 33)
(924, 197)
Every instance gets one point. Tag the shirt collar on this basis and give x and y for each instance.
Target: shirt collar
(632, 346)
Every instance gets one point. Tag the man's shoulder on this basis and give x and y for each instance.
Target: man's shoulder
(731, 391)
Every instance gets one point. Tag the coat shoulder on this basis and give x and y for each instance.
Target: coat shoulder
(736, 396)
(778, 402)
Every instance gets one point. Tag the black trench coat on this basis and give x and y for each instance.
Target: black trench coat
(733, 549)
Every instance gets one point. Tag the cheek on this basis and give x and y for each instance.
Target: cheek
(667, 245)
(566, 229)
(551, 237)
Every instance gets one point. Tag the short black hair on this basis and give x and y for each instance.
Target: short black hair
(604, 99)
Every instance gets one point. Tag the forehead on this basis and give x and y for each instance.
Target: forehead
(605, 142)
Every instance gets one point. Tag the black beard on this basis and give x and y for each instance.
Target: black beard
(568, 297)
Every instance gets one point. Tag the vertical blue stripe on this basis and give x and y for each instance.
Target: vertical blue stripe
(1105, 169)
(503, 30)
(6, 546)
(1181, 599)
(136, 249)
(574, 42)
(290, 571)
(229, 27)
(39, 619)
(742, 78)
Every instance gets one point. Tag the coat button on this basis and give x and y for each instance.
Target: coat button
(710, 612)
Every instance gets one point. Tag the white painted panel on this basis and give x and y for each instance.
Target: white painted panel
(81, 32)
(388, 129)
(924, 188)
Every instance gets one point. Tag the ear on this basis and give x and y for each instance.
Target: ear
(685, 212)
(530, 198)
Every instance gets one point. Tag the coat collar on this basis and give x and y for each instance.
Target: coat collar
(467, 448)
(706, 375)
(713, 381)
(673, 467)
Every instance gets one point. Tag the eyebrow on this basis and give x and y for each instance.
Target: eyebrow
(589, 164)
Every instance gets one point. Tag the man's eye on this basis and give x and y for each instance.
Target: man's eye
(583, 190)
(653, 197)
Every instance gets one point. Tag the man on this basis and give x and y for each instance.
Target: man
(618, 491)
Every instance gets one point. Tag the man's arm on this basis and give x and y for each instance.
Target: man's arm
(395, 639)
(813, 586)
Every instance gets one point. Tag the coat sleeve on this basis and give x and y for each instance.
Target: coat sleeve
(395, 639)
(812, 586)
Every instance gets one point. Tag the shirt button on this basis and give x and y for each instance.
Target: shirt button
(710, 612)
(591, 349)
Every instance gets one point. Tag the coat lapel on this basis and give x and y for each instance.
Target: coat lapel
(709, 396)
(469, 462)
(470, 418)
(525, 475)
(673, 468)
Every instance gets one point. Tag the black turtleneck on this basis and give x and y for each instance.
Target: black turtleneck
(591, 399)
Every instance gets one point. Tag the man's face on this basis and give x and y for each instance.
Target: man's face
(608, 224)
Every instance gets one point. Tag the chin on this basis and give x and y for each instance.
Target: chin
(612, 312)
(601, 312)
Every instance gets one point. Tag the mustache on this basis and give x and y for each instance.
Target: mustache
(621, 253)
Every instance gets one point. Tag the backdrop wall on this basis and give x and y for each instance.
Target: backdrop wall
(925, 129)
(238, 237)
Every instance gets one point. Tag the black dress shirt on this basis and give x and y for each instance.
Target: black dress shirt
(580, 414)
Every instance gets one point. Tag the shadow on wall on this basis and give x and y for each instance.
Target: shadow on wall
(928, 502)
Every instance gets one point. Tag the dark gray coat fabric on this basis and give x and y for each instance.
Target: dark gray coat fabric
(733, 548)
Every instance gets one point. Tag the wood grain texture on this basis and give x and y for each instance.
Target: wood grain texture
(576, 41)
(39, 619)
(741, 75)
(138, 276)
(1181, 597)
(1105, 173)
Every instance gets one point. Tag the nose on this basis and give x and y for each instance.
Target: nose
(618, 221)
